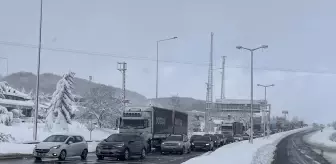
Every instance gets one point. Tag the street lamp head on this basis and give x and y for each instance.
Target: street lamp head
(264, 46)
(239, 47)
(175, 37)
(272, 85)
(258, 85)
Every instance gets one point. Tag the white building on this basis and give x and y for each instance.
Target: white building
(237, 109)
(14, 99)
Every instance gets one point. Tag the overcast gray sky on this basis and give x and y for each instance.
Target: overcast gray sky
(300, 34)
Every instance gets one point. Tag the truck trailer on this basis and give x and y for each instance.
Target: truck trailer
(155, 124)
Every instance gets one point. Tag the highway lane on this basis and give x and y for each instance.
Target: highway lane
(292, 150)
(153, 158)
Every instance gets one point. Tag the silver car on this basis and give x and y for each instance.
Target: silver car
(176, 143)
(61, 146)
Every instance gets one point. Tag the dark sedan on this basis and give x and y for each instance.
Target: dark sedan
(222, 139)
(202, 143)
(121, 146)
(215, 139)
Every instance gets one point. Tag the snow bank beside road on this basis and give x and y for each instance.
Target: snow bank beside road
(323, 139)
(23, 132)
(260, 152)
(13, 148)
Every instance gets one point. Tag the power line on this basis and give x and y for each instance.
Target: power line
(154, 60)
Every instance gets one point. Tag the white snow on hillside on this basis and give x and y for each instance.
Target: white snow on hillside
(260, 152)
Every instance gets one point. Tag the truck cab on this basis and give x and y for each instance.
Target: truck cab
(137, 120)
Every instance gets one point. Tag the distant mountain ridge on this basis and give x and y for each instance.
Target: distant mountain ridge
(27, 80)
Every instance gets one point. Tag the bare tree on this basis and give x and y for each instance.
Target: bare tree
(102, 105)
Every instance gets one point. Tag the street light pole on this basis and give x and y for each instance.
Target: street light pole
(157, 63)
(268, 117)
(251, 112)
(38, 74)
(6, 64)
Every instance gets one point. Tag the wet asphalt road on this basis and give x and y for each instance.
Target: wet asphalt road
(293, 150)
(153, 158)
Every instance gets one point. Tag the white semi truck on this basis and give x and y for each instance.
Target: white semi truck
(153, 123)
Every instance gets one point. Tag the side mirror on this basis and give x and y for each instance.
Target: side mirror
(70, 142)
(105, 140)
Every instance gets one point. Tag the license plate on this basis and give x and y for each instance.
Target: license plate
(41, 154)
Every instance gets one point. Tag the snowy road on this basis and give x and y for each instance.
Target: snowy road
(155, 158)
(292, 150)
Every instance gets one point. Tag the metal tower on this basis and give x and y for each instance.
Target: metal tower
(122, 67)
(209, 96)
(223, 78)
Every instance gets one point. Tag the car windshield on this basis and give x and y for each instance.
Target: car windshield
(120, 138)
(202, 138)
(174, 138)
(56, 138)
(132, 123)
(194, 136)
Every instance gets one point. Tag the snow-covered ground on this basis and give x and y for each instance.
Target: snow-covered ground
(23, 132)
(260, 152)
(323, 140)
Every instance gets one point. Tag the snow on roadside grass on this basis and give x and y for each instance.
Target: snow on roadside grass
(27, 149)
(319, 138)
(13, 148)
(23, 132)
(260, 152)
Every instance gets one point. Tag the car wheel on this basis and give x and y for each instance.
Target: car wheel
(62, 155)
(84, 154)
(126, 155)
(38, 159)
(182, 152)
(100, 157)
(143, 153)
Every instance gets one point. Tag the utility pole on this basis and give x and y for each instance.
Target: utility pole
(38, 74)
(207, 108)
(223, 78)
(122, 67)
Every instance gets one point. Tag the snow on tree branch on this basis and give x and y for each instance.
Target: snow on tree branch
(62, 102)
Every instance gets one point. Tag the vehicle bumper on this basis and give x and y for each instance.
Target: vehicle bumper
(52, 153)
(110, 152)
(200, 147)
(171, 149)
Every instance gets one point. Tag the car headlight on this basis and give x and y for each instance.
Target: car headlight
(179, 144)
(192, 143)
(207, 144)
(56, 147)
(119, 145)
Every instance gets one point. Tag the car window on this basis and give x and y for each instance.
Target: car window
(78, 139)
(56, 138)
(120, 138)
(71, 139)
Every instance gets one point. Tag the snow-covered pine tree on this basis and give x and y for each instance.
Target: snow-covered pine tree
(61, 103)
